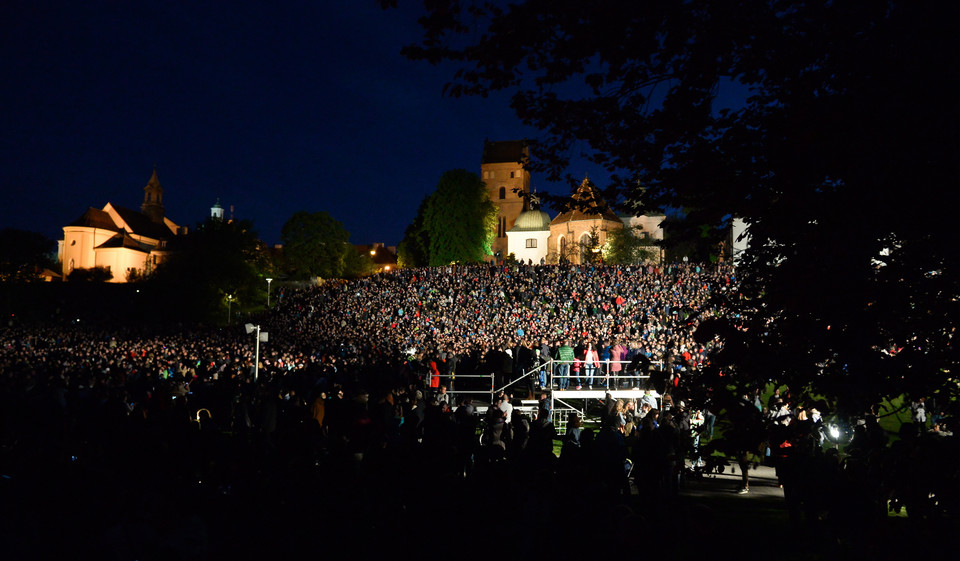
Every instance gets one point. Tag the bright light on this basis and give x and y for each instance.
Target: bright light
(834, 431)
(373, 252)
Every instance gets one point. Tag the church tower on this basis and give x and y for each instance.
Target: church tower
(153, 199)
(502, 171)
(216, 211)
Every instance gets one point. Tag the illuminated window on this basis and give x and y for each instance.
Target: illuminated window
(531, 242)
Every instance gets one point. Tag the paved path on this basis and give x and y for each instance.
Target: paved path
(763, 485)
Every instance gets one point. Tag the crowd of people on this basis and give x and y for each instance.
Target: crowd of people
(102, 422)
(503, 320)
(150, 441)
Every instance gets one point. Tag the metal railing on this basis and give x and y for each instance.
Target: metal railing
(454, 392)
(547, 373)
(551, 378)
(551, 382)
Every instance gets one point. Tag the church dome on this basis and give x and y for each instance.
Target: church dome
(531, 221)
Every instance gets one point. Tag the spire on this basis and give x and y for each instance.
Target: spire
(587, 192)
(153, 198)
(216, 211)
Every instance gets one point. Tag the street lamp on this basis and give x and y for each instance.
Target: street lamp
(268, 291)
(230, 300)
(261, 336)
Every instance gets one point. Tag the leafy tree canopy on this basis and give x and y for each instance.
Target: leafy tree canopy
(459, 218)
(357, 264)
(315, 245)
(217, 258)
(626, 246)
(837, 156)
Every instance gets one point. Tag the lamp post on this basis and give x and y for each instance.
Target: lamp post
(268, 291)
(261, 336)
(230, 300)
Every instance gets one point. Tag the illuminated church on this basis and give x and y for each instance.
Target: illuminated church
(126, 242)
(529, 234)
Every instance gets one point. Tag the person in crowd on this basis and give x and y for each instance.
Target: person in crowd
(591, 362)
(442, 396)
(546, 364)
(566, 357)
(617, 355)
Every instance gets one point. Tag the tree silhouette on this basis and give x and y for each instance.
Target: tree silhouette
(216, 258)
(836, 149)
(315, 245)
(414, 249)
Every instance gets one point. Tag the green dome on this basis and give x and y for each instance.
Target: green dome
(532, 221)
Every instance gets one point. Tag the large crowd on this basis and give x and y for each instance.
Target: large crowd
(100, 424)
(150, 442)
(480, 313)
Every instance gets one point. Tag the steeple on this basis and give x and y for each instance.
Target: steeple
(153, 199)
(588, 196)
(216, 211)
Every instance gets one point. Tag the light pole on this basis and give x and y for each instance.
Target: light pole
(230, 300)
(268, 292)
(261, 336)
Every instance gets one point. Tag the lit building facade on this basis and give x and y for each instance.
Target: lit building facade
(507, 181)
(126, 242)
(530, 235)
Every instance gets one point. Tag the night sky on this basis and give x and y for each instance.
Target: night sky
(272, 108)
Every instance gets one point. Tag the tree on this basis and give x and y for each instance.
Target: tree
(684, 237)
(627, 246)
(216, 258)
(414, 249)
(315, 245)
(23, 254)
(836, 154)
(357, 264)
(591, 251)
(459, 218)
(93, 274)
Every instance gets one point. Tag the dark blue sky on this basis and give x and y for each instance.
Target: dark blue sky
(270, 107)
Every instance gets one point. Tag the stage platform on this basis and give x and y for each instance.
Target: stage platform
(601, 394)
(530, 405)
